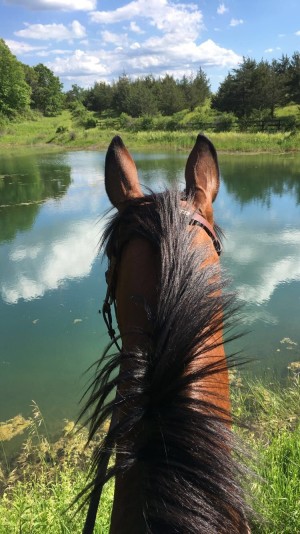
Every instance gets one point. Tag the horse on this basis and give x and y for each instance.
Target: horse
(165, 390)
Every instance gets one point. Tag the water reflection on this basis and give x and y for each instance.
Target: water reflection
(157, 170)
(51, 284)
(25, 182)
(267, 260)
(260, 176)
(58, 248)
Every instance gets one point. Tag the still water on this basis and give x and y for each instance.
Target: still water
(52, 276)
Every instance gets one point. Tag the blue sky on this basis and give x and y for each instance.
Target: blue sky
(84, 41)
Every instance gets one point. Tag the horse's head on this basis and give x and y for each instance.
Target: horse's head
(138, 265)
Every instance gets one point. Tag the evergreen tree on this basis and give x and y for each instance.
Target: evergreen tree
(170, 96)
(141, 99)
(99, 98)
(293, 83)
(253, 87)
(121, 94)
(225, 98)
(281, 71)
(199, 90)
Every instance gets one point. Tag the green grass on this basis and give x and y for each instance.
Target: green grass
(65, 131)
(38, 491)
(273, 417)
(36, 494)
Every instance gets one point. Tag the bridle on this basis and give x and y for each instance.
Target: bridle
(197, 219)
(194, 219)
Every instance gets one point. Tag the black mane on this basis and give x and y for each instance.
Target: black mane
(190, 481)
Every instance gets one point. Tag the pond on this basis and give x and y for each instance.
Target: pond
(52, 277)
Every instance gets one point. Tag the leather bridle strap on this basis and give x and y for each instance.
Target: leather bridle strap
(199, 220)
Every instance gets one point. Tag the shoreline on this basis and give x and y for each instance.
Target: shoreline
(149, 147)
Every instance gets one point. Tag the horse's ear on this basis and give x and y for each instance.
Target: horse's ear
(121, 177)
(202, 175)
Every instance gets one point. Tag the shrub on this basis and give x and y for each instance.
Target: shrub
(225, 122)
(61, 129)
(90, 123)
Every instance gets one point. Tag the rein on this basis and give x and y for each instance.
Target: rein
(109, 300)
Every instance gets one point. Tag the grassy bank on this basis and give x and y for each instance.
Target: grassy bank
(46, 477)
(272, 417)
(65, 131)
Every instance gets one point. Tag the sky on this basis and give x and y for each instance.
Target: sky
(87, 41)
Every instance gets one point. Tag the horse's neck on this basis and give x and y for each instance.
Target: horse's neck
(127, 512)
(136, 291)
(136, 295)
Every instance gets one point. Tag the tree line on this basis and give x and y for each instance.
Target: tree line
(253, 89)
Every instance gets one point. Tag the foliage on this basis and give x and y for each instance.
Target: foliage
(196, 89)
(293, 83)
(225, 122)
(14, 91)
(98, 98)
(75, 94)
(46, 90)
(248, 88)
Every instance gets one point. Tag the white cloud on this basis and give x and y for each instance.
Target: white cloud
(222, 9)
(113, 38)
(64, 5)
(57, 32)
(82, 63)
(297, 33)
(156, 55)
(271, 50)
(184, 19)
(21, 48)
(53, 52)
(135, 28)
(236, 22)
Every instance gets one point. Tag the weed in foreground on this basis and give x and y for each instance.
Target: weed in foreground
(37, 493)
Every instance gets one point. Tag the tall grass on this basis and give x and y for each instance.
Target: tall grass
(37, 493)
(66, 131)
(272, 415)
(47, 477)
